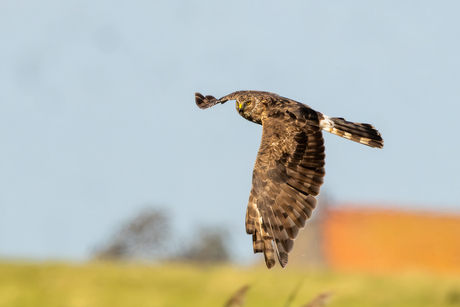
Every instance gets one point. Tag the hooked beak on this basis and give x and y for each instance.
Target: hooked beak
(240, 108)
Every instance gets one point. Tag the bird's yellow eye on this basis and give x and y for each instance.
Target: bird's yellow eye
(248, 102)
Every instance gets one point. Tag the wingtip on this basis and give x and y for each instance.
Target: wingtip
(283, 264)
(205, 102)
(283, 259)
(270, 264)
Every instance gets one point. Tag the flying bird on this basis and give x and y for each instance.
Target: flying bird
(289, 168)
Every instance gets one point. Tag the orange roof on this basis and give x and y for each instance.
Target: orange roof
(381, 240)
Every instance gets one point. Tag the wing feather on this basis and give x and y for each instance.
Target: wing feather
(288, 173)
(295, 217)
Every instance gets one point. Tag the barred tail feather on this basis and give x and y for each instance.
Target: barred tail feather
(362, 133)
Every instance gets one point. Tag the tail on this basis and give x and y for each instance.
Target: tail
(362, 133)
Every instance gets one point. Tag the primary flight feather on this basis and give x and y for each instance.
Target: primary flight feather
(289, 167)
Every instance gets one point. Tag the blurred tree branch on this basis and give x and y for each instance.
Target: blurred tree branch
(143, 237)
(210, 245)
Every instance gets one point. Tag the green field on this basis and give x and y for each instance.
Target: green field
(111, 284)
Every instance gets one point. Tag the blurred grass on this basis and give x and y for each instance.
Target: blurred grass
(114, 284)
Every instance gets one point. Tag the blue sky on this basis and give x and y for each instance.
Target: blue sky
(98, 119)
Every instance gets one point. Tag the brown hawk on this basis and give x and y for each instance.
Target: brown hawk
(289, 167)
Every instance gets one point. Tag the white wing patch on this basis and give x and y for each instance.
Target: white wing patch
(326, 123)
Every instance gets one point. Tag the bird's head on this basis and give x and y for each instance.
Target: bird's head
(246, 104)
(249, 104)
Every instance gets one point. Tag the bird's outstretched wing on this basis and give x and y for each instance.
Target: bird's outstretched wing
(287, 176)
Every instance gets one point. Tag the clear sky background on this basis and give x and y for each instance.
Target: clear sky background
(98, 118)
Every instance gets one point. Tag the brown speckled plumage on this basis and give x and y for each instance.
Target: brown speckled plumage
(289, 167)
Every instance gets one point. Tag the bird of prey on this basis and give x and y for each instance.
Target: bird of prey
(289, 167)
